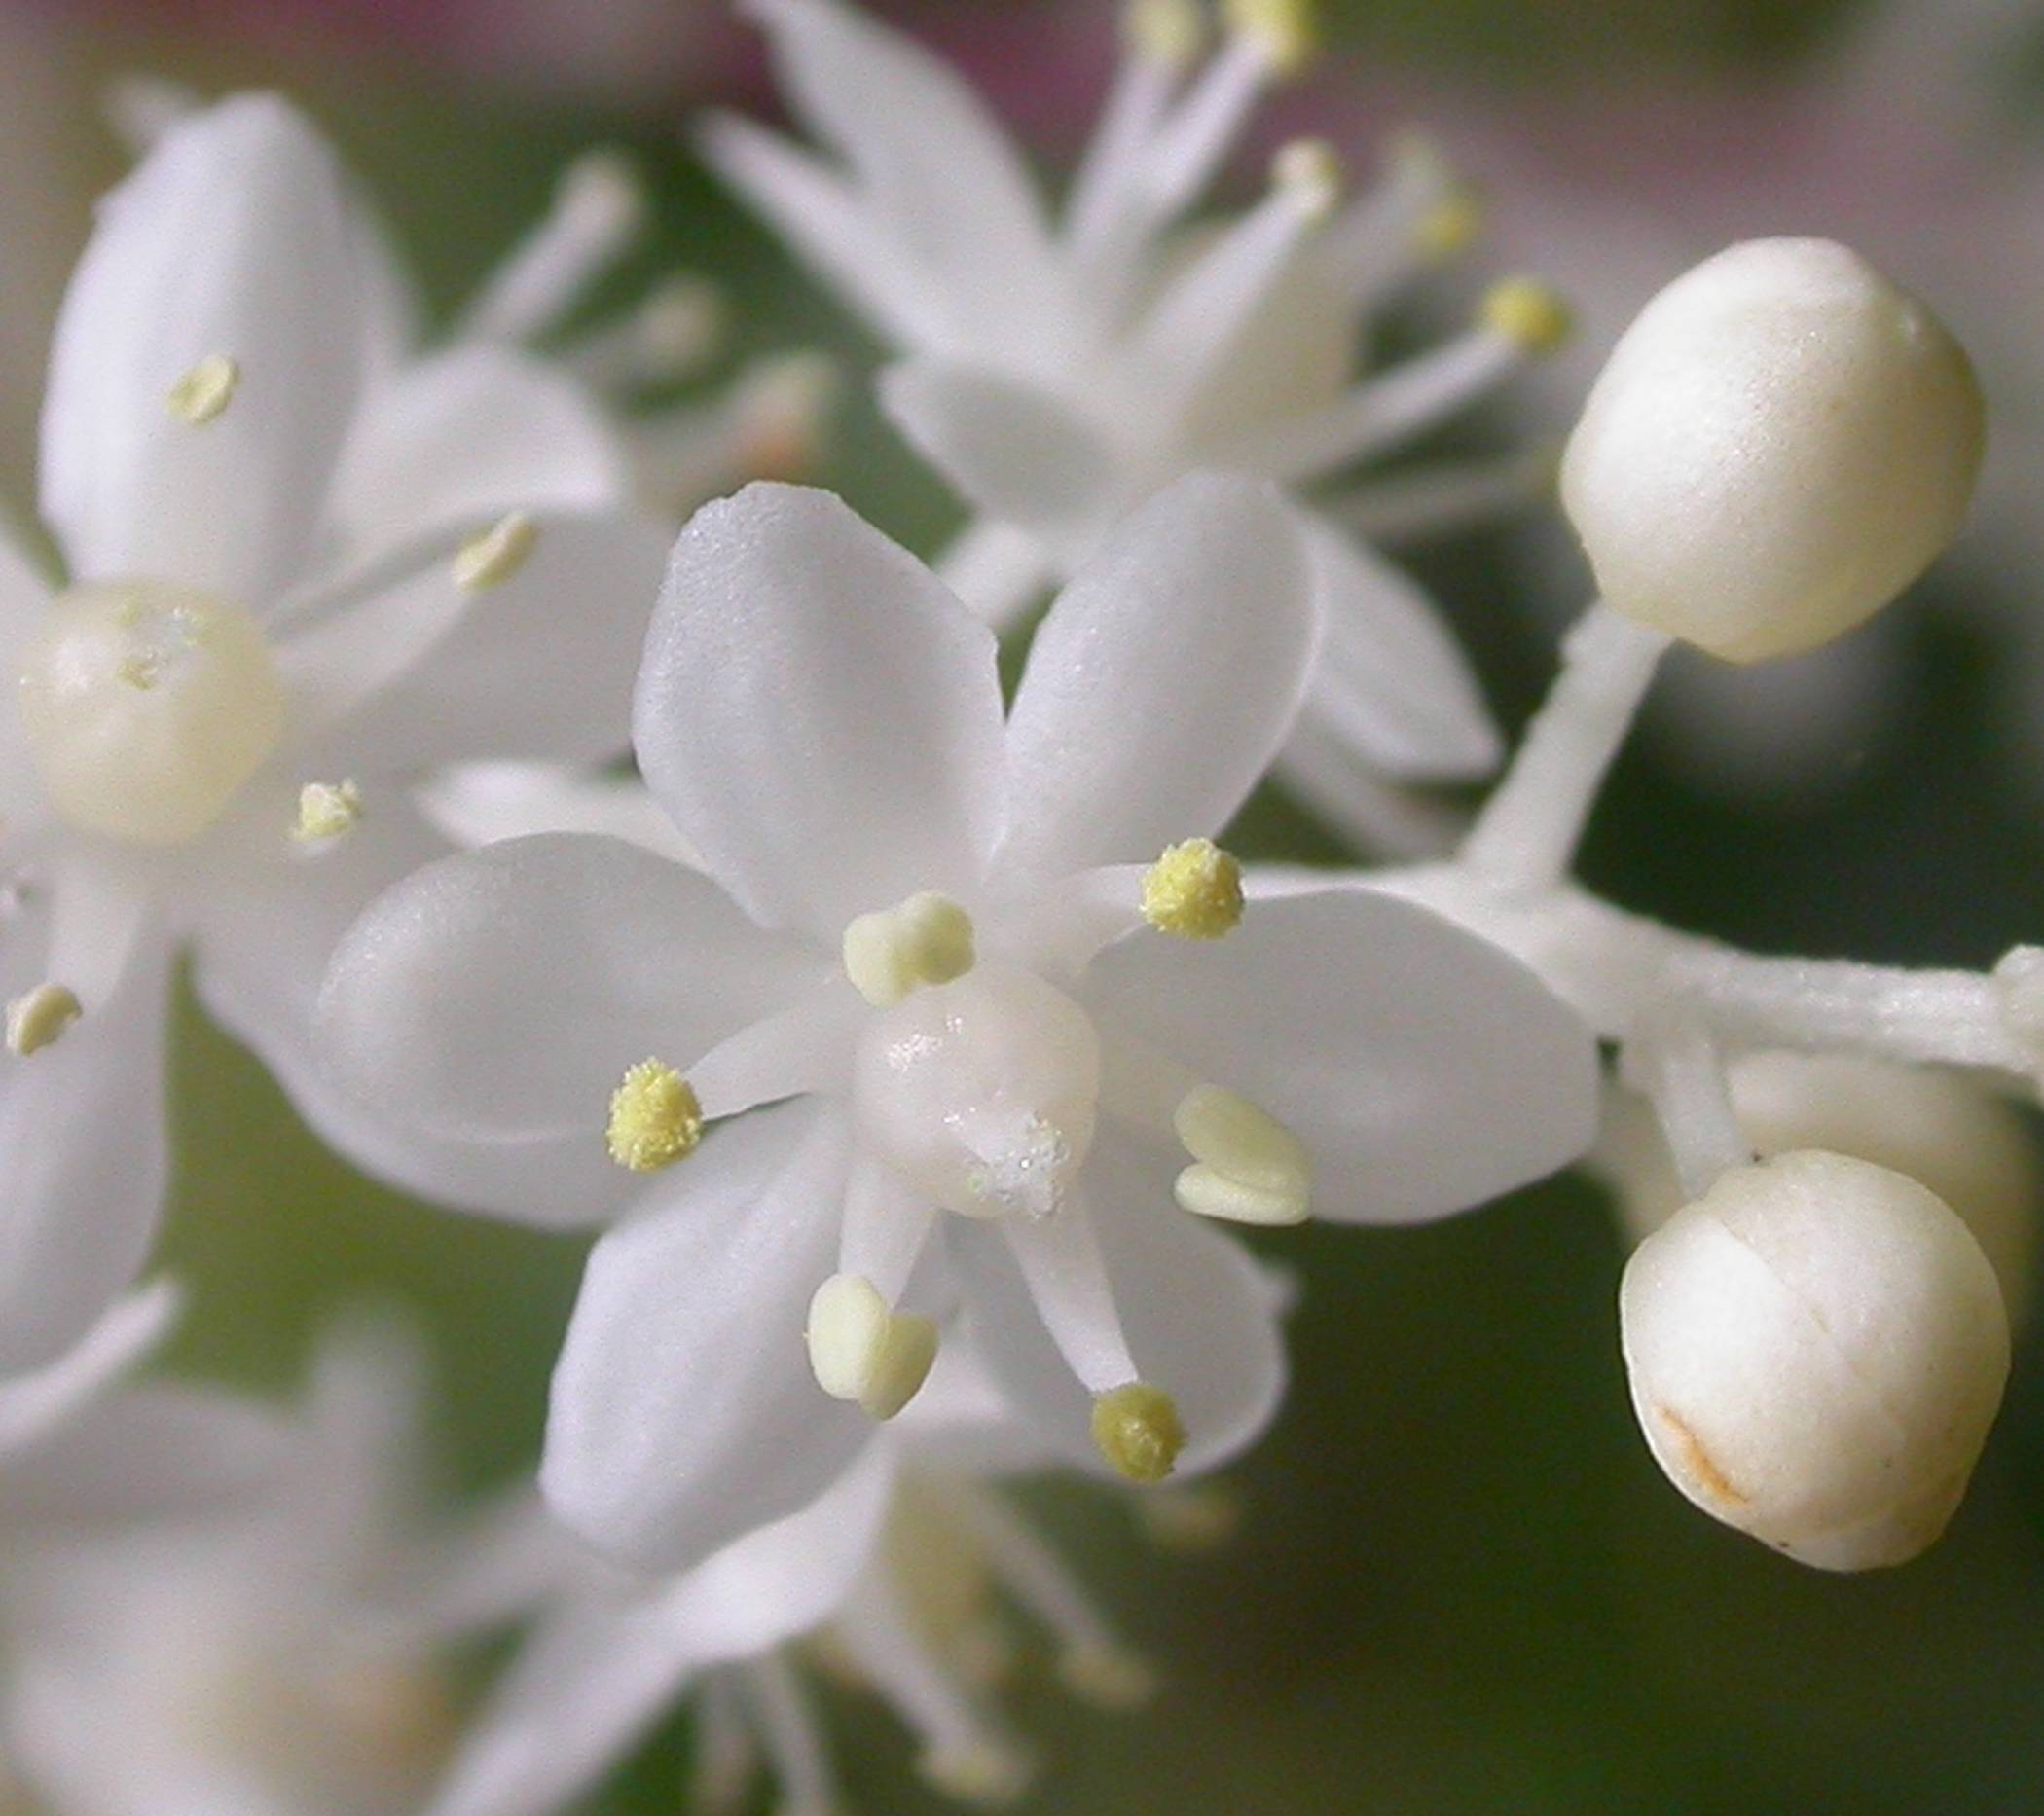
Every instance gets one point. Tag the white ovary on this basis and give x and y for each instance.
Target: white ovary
(983, 1092)
(147, 707)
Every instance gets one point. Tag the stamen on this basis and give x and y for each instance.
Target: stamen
(1451, 226)
(1108, 1677)
(491, 557)
(1193, 890)
(927, 939)
(40, 1017)
(1137, 1431)
(1310, 169)
(863, 1351)
(326, 811)
(1168, 33)
(1191, 1521)
(598, 205)
(1250, 1168)
(983, 1772)
(205, 391)
(655, 1119)
(1286, 33)
(1529, 313)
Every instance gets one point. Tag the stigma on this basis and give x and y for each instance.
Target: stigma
(146, 707)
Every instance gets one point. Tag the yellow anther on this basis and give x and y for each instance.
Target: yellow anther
(205, 391)
(982, 1772)
(1248, 1167)
(655, 1118)
(1107, 1675)
(1191, 1521)
(926, 939)
(1450, 226)
(38, 1018)
(1170, 33)
(1193, 890)
(1311, 169)
(1137, 1431)
(491, 557)
(325, 810)
(862, 1349)
(1529, 313)
(1286, 33)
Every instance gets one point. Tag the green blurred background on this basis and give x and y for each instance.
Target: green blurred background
(1464, 1586)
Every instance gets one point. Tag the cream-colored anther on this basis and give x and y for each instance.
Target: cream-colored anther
(1137, 1431)
(1248, 1167)
(863, 1351)
(1193, 890)
(680, 326)
(655, 1118)
(1451, 225)
(38, 1018)
(1529, 313)
(1191, 1521)
(602, 186)
(204, 392)
(981, 1772)
(1108, 1677)
(1311, 171)
(147, 707)
(926, 939)
(326, 810)
(1286, 33)
(1169, 33)
(491, 557)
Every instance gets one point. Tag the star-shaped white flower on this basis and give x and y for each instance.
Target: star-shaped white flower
(298, 577)
(922, 977)
(1061, 371)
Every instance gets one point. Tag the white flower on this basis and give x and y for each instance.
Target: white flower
(298, 576)
(1060, 374)
(896, 1577)
(269, 1660)
(920, 935)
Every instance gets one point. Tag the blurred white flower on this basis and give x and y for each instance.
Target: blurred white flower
(898, 1578)
(265, 1661)
(1058, 374)
(298, 575)
(919, 935)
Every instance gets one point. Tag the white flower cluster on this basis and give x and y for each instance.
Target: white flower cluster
(909, 1040)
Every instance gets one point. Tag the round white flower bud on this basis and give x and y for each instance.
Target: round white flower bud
(1816, 1349)
(1779, 444)
(1968, 1144)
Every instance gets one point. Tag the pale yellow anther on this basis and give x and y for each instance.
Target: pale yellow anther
(325, 810)
(655, 1118)
(1311, 171)
(1193, 890)
(604, 185)
(204, 392)
(1248, 1167)
(1108, 1677)
(681, 325)
(1529, 313)
(979, 1772)
(862, 1350)
(39, 1017)
(1137, 1430)
(1170, 33)
(1451, 225)
(1191, 1521)
(1286, 33)
(491, 557)
(926, 939)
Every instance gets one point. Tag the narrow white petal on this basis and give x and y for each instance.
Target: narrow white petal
(480, 803)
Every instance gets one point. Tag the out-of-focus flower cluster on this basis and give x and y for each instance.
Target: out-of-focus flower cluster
(915, 1048)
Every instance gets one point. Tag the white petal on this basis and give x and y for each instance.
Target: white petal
(1196, 1308)
(1163, 681)
(231, 239)
(819, 715)
(83, 1164)
(927, 155)
(1013, 449)
(1391, 683)
(480, 803)
(594, 1677)
(1424, 1069)
(504, 993)
(684, 1412)
(464, 436)
(34, 1404)
(418, 672)
(23, 593)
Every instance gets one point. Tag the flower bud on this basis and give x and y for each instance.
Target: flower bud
(1779, 444)
(1964, 1142)
(1816, 1349)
